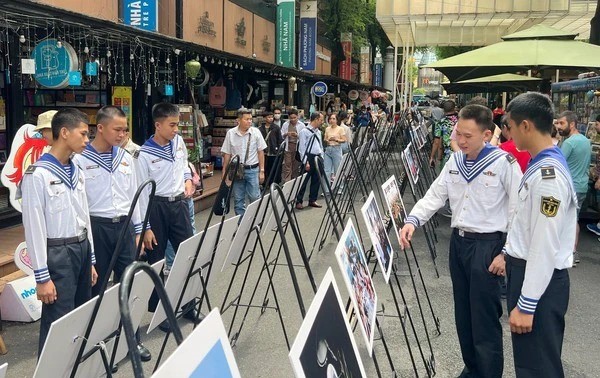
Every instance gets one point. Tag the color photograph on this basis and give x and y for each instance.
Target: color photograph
(395, 205)
(353, 264)
(379, 237)
(410, 165)
(325, 345)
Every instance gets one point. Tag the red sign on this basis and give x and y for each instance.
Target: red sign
(345, 67)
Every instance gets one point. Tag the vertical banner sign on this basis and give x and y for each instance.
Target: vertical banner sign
(365, 65)
(378, 70)
(308, 35)
(345, 68)
(141, 14)
(286, 33)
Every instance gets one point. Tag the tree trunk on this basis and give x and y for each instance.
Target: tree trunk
(595, 26)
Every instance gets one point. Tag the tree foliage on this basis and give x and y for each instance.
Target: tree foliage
(443, 52)
(356, 17)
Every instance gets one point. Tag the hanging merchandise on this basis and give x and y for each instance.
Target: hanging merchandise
(217, 95)
(234, 96)
(192, 68)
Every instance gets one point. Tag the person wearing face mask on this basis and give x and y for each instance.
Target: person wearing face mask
(277, 116)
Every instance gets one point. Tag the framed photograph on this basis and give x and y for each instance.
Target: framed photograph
(395, 205)
(410, 165)
(379, 238)
(325, 345)
(353, 264)
(206, 352)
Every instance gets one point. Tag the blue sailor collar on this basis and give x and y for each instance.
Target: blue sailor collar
(157, 150)
(550, 157)
(487, 156)
(49, 162)
(116, 157)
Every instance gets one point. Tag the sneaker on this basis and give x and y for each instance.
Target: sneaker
(593, 227)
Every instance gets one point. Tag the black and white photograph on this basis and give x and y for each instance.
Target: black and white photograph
(325, 346)
(379, 238)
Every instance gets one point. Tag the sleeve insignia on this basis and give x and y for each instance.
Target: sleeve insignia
(548, 173)
(511, 159)
(136, 154)
(549, 206)
(30, 169)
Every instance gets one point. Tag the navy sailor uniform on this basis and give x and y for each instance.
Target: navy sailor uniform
(169, 217)
(539, 249)
(110, 185)
(58, 235)
(483, 196)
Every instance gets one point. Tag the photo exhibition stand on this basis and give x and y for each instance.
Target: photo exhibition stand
(93, 333)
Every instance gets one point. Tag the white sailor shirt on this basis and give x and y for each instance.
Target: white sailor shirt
(544, 225)
(110, 183)
(482, 193)
(54, 207)
(166, 165)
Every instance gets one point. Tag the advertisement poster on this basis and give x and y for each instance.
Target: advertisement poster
(122, 98)
(345, 70)
(141, 14)
(365, 65)
(308, 35)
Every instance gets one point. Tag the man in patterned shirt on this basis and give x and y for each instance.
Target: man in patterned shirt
(441, 134)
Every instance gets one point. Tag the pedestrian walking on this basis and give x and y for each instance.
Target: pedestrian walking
(57, 225)
(290, 131)
(335, 135)
(272, 135)
(310, 146)
(481, 182)
(344, 121)
(246, 142)
(539, 247)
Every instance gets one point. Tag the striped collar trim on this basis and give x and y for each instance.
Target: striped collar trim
(49, 162)
(470, 173)
(547, 162)
(153, 148)
(117, 155)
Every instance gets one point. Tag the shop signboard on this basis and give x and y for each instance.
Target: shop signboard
(319, 89)
(122, 97)
(345, 67)
(365, 65)
(308, 35)
(286, 33)
(141, 14)
(378, 69)
(54, 61)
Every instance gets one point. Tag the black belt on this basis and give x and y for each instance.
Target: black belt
(120, 219)
(515, 261)
(251, 166)
(65, 241)
(169, 199)
(482, 236)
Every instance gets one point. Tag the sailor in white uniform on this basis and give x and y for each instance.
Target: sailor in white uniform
(481, 183)
(540, 242)
(57, 223)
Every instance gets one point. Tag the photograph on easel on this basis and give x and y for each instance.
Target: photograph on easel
(379, 238)
(395, 205)
(325, 345)
(353, 264)
(410, 165)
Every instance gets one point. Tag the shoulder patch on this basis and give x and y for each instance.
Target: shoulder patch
(548, 173)
(30, 169)
(136, 154)
(549, 206)
(511, 159)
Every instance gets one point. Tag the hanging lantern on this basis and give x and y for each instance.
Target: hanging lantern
(192, 68)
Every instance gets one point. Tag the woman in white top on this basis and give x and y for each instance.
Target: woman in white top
(334, 137)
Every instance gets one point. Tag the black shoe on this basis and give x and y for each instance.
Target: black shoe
(191, 316)
(115, 368)
(144, 352)
(164, 326)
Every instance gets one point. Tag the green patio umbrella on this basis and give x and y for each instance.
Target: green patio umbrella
(539, 47)
(494, 84)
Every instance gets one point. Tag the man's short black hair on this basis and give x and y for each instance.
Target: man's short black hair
(70, 118)
(108, 113)
(449, 106)
(570, 116)
(342, 116)
(292, 111)
(478, 100)
(276, 108)
(482, 116)
(164, 110)
(534, 107)
(266, 114)
(242, 111)
(314, 116)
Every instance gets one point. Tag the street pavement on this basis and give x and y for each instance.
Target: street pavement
(261, 349)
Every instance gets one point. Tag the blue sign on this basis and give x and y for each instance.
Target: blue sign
(168, 90)
(378, 75)
(308, 42)
(75, 78)
(141, 14)
(319, 89)
(91, 69)
(53, 63)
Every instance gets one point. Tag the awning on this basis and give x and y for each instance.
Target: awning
(494, 84)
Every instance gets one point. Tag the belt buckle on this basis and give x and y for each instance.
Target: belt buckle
(81, 237)
(171, 199)
(461, 233)
(116, 219)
